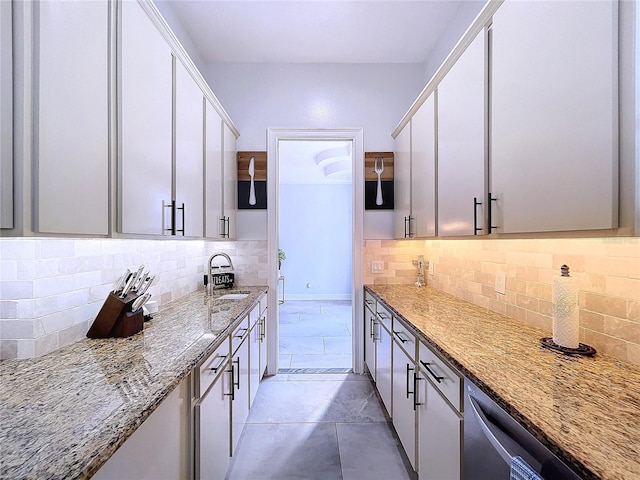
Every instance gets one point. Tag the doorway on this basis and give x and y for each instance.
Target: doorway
(315, 235)
(311, 301)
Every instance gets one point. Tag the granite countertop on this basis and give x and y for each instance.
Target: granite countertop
(586, 410)
(64, 414)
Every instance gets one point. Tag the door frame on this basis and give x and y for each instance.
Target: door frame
(274, 136)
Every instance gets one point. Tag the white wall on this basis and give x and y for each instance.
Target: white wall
(260, 96)
(315, 233)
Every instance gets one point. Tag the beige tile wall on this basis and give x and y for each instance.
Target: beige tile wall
(608, 269)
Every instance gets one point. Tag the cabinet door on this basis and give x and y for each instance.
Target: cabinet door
(439, 435)
(423, 170)
(189, 167)
(402, 182)
(213, 415)
(404, 415)
(371, 328)
(230, 175)
(383, 366)
(263, 338)
(159, 448)
(461, 142)
(72, 165)
(6, 117)
(240, 404)
(254, 355)
(213, 172)
(554, 116)
(146, 123)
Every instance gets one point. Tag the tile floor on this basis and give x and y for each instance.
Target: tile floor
(318, 427)
(315, 334)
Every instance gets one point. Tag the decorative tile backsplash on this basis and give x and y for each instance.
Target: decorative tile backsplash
(51, 289)
(608, 269)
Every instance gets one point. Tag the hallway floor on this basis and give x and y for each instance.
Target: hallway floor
(318, 427)
(315, 334)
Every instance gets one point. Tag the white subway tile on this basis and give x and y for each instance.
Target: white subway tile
(56, 248)
(56, 321)
(16, 329)
(88, 247)
(47, 344)
(16, 290)
(43, 306)
(8, 270)
(26, 348)
(17, 249)
(44, 287)
(25, 308)
(8, 309)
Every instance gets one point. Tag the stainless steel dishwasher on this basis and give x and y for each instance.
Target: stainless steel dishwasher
(492, 437)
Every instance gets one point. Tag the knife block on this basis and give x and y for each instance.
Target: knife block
(115, 318)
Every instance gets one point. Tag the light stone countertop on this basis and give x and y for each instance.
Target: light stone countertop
(586, 410)
(64, 414)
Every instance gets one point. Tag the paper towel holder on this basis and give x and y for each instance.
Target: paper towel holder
(583, 349)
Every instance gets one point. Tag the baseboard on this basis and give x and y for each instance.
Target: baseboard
(319, 297)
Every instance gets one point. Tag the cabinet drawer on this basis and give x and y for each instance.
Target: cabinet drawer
(404, 337)
(212, 367)
(383, 315)
(442, 375)
(239, 334)
(369, 301)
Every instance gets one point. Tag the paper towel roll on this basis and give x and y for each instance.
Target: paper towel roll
(566, 323)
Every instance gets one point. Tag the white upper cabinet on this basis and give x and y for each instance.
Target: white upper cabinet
(461, 143)
(189, 159)
(71, 168)
(146, 123)
(554, 116)
(402, 183)
(423, 170)
(230, 182)
(6, 117)
(213, 169)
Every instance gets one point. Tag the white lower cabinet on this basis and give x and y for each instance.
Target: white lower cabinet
(404, 411)
(212, 412)
(254, 352)
(240, 389)
(159, 448)
(370, 336)
(439, 434)
(264, 315)
(422, 392)
(383, 365)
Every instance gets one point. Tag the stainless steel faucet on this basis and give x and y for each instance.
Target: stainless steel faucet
(420, 263)
(211, 267)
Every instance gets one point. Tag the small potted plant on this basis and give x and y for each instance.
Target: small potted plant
(281, 257)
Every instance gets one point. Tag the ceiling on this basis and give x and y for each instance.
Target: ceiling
(312, 31)
(314, 161)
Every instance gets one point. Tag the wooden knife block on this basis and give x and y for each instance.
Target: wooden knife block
(115, 318)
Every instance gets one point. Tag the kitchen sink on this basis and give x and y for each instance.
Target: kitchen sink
(233, 296)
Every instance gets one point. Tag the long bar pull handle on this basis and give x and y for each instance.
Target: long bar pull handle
(397, 334)
(436, 377)
(237, 362)
(476, 229)
(172, 227)
(491, 225)
(243, 330)
(228, 227)
(181, 208)
(410, 369)
(371, 333)
(223, 226)
(223, 360)
(232, 394)
(416, 379)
